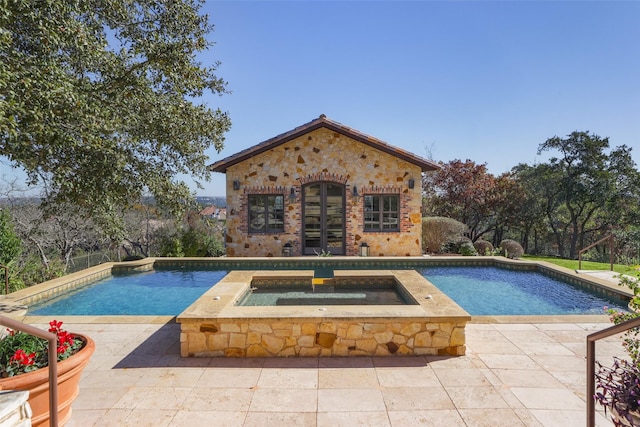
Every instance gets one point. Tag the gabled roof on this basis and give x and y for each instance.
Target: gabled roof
(322, 122)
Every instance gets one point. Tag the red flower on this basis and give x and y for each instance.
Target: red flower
(15, 360)
(22, 358)
(55, 326)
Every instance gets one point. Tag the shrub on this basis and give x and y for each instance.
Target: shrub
(483, 247)
(171, 246)
(10, 244)
(511, 249)
(467, 249)
(454, 245)
(436, 231)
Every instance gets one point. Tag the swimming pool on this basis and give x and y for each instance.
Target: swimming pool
(160, 293)
(481, 290)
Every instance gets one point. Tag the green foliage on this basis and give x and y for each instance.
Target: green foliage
(21, 352)
(201, 239)
(214, 246)
(101, 100)
(483, 247)
(454, 245)
(10, 244)
(436, 231)
(628, 245)
(467, 249)
(323, 253)
(171, 246)
(572, 264)
(631, 342)
(511, 249)
(586, 188)
(198, 244)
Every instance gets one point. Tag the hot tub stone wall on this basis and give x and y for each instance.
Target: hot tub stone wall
(316, 337)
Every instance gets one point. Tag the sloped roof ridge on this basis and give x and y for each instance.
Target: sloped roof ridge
(322, 120)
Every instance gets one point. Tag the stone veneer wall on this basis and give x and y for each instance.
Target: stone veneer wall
(317, 337)
(324, 155)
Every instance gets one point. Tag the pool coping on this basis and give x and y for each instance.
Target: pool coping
(221, 300)
(215, 325)
(15, 304)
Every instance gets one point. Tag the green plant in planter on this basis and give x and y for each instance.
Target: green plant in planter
(618, 386)
(323, 253)
(21, 353)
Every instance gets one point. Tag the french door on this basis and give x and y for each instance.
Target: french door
(323, 213)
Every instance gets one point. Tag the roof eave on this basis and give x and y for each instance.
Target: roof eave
(222, 165)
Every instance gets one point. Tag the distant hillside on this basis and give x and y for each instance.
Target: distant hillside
(218, 201)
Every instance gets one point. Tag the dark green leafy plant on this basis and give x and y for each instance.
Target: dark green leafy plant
(21, 353)
(467, 249)
(483, 247)
(323, 253)
(103, 101)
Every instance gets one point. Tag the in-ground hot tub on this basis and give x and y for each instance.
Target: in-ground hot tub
(427, 322)
(384, 290)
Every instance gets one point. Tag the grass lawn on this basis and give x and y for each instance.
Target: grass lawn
(586, 265)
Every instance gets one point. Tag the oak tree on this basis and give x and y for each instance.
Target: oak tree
(586, 187)
(102, 101)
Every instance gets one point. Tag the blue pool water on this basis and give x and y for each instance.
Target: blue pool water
(479, 290)
(495, 291)
(160, 293)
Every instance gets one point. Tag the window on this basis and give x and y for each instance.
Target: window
(381, 212)
(266, 213)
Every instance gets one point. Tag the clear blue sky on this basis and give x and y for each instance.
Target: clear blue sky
(486, 81)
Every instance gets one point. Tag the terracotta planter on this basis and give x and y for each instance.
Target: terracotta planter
(37, 383)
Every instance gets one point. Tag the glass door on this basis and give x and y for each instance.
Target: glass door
(323, 213)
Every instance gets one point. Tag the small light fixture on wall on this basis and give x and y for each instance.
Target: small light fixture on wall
(364, 249)
(236, 185)
(292, 195)
(411, 183)
(354, 192)
(287, 249)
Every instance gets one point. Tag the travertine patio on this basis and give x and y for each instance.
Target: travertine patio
(514, 374)
(517, 371)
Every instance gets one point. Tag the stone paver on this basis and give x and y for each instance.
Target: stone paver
(136, 378)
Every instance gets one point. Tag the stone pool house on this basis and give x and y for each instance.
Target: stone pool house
(323, 188)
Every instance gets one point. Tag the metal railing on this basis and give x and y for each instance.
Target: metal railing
(53, 362)
(591, 362)
(610, 238)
